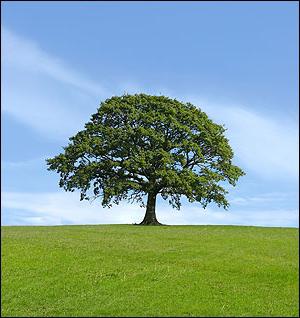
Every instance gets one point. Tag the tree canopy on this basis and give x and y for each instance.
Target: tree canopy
(140, 144)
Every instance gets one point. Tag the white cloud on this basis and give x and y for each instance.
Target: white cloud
(65, 208)
(262, 144)
(194, 214)
(24, 164)
(60, 208)
(42, 91)
(28, 56)
(272, 197)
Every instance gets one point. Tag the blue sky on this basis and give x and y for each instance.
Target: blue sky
(238, 61)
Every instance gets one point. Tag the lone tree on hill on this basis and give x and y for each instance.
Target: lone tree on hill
(140, 144)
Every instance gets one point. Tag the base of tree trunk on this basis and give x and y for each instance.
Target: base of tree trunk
(150, 222)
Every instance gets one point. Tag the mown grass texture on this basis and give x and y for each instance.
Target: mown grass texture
(130, 270)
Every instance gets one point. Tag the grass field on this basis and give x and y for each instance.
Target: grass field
(127, 270)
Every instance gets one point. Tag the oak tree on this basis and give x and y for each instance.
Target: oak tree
(137, 145)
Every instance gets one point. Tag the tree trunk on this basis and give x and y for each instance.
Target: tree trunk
(150, 217)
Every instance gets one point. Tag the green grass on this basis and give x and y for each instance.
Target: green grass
(127, 270)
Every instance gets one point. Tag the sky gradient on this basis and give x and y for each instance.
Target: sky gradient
(238, 61)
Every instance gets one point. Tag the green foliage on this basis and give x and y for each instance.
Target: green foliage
(137, 144)
(162, 271)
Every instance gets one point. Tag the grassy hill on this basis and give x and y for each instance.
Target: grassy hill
(127, 270)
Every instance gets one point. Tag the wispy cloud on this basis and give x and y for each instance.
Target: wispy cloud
(42, 91)
(27, 55)
(65, 208)
(62, 208)
(262, 144)
(265, 198)
(24, 164)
